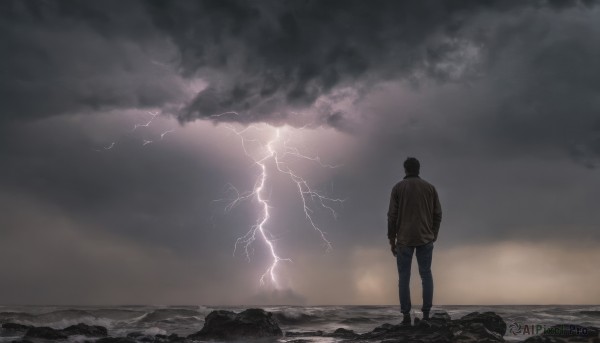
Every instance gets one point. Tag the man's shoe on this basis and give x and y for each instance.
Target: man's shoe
(425, 315)
(406, 320)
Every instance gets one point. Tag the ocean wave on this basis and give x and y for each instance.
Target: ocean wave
(590, 313)
(294, 316)
(117, 314)
(58, 319)
(6, 317)
(152, 331)
(168, 314)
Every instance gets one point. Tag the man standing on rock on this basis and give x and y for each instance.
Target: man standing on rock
(414, 219)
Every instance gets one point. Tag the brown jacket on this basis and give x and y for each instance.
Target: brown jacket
(415, 212)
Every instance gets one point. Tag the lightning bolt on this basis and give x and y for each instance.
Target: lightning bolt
(135, 127)
(305, 192)
(162, 135)
(274, 156)
(142, 125)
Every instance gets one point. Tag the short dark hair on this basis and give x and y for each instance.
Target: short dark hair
(412, 166)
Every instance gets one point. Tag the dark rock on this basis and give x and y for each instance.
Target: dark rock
(480, 333)
(383, 327)
(386, 331)
(251, 323)
(86, 330)
(141, 337)
(134, 334)
(116, 340)
(303, 333)
(22, 341)
(175, 338)
(357, 320)
(16, 327)
(343, 333)
(546, 339)
(424, 325)
(474, 327)
(567, 333)
(45, 333)
(168, 339)
(440, 316)
(490, 320)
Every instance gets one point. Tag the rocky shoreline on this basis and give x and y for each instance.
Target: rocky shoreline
(257, 324)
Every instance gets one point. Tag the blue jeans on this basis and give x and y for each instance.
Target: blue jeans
(404, 260)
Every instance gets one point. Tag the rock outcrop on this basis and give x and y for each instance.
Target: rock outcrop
(85, 330)
(227, 325)
(45, 333)
(253, 324)
(14, 327)
(566, 333)
(474, 327)
(55, 334)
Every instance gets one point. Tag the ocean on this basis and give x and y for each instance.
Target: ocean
(184, 320)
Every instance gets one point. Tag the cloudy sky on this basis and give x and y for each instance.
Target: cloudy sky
(123, 126)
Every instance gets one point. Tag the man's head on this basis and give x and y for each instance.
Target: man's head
(412, 166)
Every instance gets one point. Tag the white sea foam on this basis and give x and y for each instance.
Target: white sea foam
(154, 331)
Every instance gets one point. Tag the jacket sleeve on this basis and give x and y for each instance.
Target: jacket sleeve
(437, 214)
(393, 216)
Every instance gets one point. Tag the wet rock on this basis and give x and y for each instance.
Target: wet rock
(304, 333)
(160, 338)
(175, 338)
(490, 320)
(135, 334)
(343, 333)
(387, 331)
(477, 332)
(474, 327)
(383, 327)
(86, 330)
(45, 333)
(357, 320)
(251, 323)
(566, 333)
(440, 316)
(116, 340)
(168, 339)
(16, 327)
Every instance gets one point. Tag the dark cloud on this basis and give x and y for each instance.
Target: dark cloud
(496, 98)
(305, 62)
(263, 60)
(67, 57)
(266, 58)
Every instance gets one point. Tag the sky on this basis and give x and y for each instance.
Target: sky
(128, 128)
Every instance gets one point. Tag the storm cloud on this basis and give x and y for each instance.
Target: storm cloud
(498, 99)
